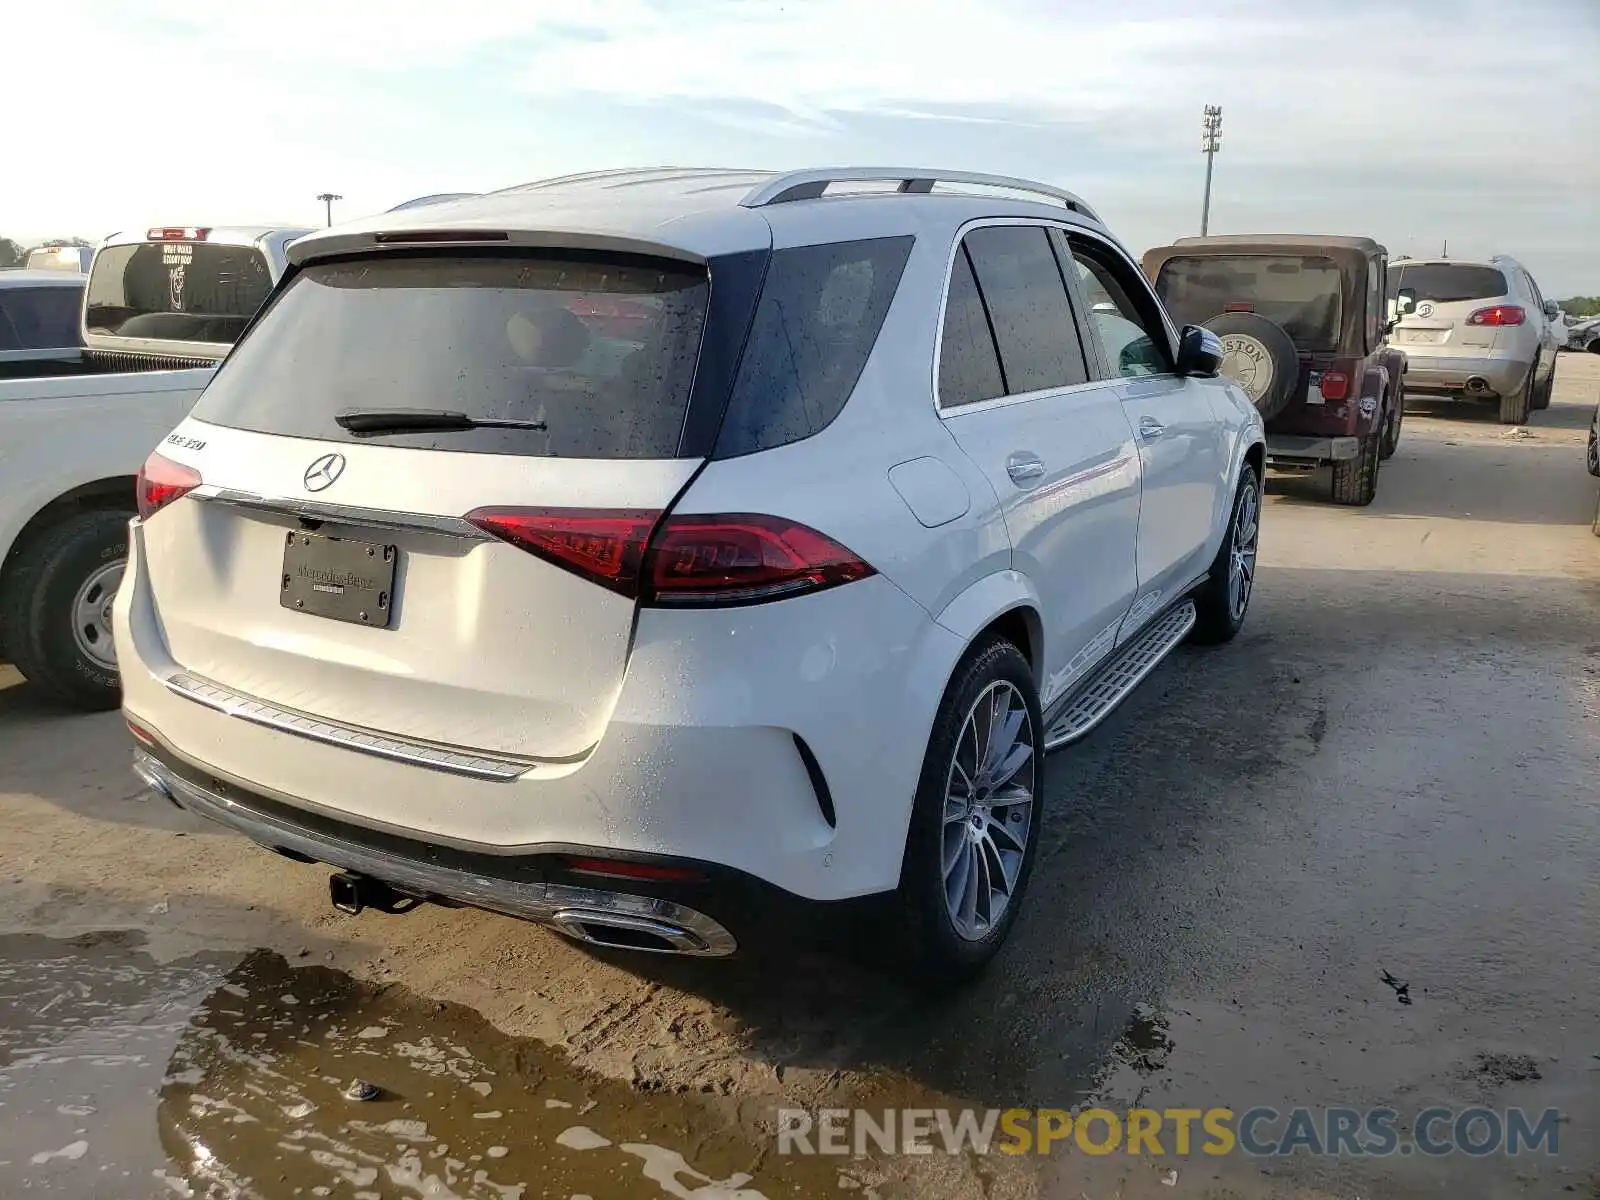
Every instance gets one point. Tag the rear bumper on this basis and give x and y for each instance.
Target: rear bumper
(1441, 375)
(1291, 450)
(701, 759)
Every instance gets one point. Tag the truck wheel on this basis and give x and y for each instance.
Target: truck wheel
(1259, 356)
(1355, 480)
(1224, 598)
(1514, 408)
(1391, 430)
(975, 821)
(58, 609)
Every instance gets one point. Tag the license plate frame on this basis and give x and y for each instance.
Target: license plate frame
(340, 579)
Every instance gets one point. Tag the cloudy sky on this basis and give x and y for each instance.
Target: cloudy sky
(1414, 121)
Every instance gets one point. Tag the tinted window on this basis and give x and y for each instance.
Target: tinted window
(1028, 308)
(39, 318)
(176, 291)
(601, 350)
(1447, 283)
(1303, 293)
(969, 365)
(820, 311)
(1126, 345)
(1375, 314)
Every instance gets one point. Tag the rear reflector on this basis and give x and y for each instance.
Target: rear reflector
(140, 733)
(1500, 314)
(703, 560)
(1335, 385)
(187, 233)
(615, 869)
(161, 481)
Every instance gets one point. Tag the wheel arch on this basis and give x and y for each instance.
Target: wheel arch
(114, 493)
(1004, 603)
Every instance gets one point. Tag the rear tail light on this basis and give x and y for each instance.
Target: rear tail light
(1335, 385)
(1239, 306)
(682, 560)
(161, 481)
(1500, 314)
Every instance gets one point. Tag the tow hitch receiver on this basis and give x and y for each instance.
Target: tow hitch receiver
(350, 893)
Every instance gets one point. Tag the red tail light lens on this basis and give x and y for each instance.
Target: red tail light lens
(603, 545)
(161, 481)
(1335, 385)
(743, 559)
(616, 869)
(1500, 314)
(689, 560)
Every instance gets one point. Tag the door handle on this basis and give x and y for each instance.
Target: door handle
(1150, 428)
(1023, 466)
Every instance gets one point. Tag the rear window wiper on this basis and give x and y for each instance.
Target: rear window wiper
(423, 420)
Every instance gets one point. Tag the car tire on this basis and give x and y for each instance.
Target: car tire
(948, 941)
(1266, 349)
(1355, 480)
(1515, 407)
(1541, 394)
(1224, 598)
(1592, 457)
(56, 608)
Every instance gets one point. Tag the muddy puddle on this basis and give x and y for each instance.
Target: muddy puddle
(258, 1077)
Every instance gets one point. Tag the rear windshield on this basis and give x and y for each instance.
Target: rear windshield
(1302, 293)
(176, 291)
(43, 318)
(600, 351)
(1446, 283)
(55, 258)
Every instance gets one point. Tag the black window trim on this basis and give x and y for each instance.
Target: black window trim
(1144, 297)
(958, 246)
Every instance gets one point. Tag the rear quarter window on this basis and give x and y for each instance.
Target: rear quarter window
(819, 315)
(599, 350)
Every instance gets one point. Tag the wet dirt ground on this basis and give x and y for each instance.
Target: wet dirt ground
(1352, 859)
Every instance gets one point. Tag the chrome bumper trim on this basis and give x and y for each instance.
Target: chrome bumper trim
(563, 907)
(473, 763)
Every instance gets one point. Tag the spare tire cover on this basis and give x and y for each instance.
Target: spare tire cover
(1259, 356)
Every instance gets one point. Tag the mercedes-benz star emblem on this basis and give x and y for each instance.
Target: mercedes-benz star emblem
(323, 472)
(1425, 309)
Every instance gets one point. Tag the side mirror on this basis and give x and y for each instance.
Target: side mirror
(1552, 309)
(1405, 301)
(1199, 352)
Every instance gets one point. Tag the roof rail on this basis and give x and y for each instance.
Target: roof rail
(811, 185)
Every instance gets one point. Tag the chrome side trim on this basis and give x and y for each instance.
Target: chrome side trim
(343, 514)
(453, 761)
(561, 906)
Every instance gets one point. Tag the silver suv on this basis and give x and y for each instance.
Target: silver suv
(1476, 329)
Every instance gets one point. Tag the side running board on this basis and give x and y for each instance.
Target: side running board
(1127, 669)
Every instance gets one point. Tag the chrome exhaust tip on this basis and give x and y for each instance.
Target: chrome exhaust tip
(1477, 386)
(621, 932)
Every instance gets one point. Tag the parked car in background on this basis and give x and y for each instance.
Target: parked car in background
(1301, 318)
(59, 256)
(40, 331)
(642, 551)
(160, 309)
(1478, 330)
(1585, 335)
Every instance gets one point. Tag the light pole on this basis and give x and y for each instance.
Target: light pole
(1210, 142)
(328, 198)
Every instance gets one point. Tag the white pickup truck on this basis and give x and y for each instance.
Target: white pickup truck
(161, 308)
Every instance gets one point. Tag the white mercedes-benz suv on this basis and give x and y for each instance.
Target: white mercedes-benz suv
(640, 551)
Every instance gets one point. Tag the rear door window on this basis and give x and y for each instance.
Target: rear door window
(969, 364)
(598, 351)
(1301, 292)
(1026, 298)
(818, 318)
(39, 318)
(176, 291)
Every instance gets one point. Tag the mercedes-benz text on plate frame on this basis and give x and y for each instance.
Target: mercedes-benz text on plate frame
(322, 473)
